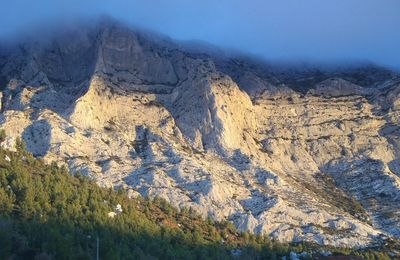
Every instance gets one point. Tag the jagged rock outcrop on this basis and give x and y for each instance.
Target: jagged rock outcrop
(213, 113)
(300, 155)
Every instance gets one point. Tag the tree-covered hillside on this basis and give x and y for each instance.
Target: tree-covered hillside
(47, 213)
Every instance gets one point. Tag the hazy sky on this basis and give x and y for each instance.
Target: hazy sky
(322, 30)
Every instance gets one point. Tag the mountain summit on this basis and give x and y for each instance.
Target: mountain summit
(300, 154)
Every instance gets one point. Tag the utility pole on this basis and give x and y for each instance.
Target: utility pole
(97, 248)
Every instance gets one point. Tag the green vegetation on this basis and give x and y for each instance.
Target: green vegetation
(46, 213)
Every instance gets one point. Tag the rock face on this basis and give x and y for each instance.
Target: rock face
(298, 154)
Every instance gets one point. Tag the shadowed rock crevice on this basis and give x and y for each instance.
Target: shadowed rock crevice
(37, 137)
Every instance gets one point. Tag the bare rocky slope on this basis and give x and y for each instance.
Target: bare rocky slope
(299, 154)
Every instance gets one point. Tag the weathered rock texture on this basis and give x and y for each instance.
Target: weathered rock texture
(299, 154)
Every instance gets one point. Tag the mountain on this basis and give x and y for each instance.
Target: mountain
(296, 153)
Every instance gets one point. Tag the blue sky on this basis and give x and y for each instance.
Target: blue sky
(319, 30)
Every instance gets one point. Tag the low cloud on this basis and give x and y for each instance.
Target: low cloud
(321, 31)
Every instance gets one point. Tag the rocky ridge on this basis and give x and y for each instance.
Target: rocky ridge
(301, 155)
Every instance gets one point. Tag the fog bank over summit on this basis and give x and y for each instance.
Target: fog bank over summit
(314, 31)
